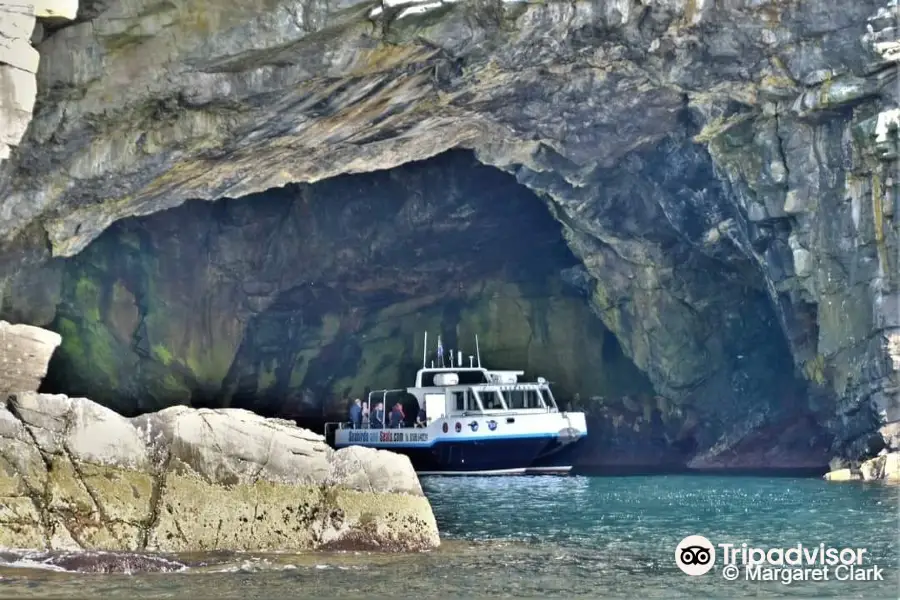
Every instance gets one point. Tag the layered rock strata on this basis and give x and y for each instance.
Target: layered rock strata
(19, 60)
(75, 475)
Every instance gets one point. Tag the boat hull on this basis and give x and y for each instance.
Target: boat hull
(476, 457)
(522, 456)
(491, 444)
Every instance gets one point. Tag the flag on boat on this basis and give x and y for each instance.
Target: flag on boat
(440, 351)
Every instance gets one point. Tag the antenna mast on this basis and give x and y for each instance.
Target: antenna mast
(477, 351)
(425, 352)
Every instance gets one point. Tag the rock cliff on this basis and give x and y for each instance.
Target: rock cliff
(25, 352)
(76, 475)
(723, 171)
(19, 29)
(883, 467)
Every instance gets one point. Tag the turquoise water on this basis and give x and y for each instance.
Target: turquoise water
(548, 537)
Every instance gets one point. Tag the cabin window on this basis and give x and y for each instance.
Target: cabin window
(491, 401)
(515, 399)
(523, 399)
(466, 377)
(434, 406)
(465, 401)
(472, 403)
(533, 399)
(548, 398)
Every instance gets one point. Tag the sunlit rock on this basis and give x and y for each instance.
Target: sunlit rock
(79, 476)
(843, 475)
(19, 63)
(882, 468)
(25, 352)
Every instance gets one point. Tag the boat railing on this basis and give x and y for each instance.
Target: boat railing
(367, 422)
(384, 395)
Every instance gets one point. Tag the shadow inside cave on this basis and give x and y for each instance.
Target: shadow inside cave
(291, 302)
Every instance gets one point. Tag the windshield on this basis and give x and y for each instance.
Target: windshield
(523, 398)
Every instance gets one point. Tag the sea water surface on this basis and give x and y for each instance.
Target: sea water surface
(538, 537)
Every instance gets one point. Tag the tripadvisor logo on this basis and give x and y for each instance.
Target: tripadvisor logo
(695, 555)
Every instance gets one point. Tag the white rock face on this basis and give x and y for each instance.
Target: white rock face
(76, 475)
(25, 352)
(62, 9)
(19, 63)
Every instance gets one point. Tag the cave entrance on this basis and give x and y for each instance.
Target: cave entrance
(295, 301)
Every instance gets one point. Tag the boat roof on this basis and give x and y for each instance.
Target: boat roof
(469, 369)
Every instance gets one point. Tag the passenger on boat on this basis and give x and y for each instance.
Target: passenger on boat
(377, 419)
(365, 414)
(397, 416)
(421, 419)
(356, 413)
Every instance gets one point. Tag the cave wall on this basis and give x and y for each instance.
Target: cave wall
(293, 301)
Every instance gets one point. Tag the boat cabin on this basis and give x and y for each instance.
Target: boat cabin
(459, 392)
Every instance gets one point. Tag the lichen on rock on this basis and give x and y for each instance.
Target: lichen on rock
(76, 475)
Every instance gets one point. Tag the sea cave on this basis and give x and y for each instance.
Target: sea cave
(689, 231)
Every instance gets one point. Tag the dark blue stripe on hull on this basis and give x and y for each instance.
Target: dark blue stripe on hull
(475, 455)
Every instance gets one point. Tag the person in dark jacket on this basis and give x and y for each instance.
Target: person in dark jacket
(397, 416)
(376, 419)
(356, 413)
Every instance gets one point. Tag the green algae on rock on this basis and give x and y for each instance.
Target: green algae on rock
(188, 307)
(76, 475)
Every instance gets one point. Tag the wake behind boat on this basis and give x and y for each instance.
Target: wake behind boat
(469, 421)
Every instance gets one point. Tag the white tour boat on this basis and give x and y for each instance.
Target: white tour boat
(469, 421)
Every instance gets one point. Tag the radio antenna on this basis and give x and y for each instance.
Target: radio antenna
(477, 351)
(425, 352)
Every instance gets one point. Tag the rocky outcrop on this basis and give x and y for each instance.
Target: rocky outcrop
(25, 352)
(75, 475)
(723, 171)
(19, 62)
(883, 467)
